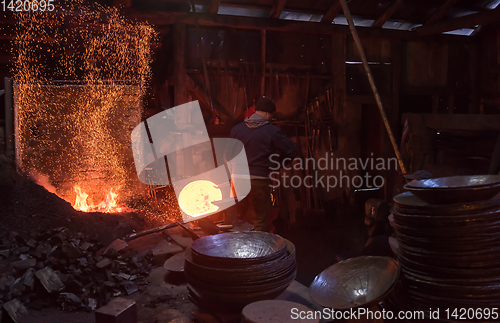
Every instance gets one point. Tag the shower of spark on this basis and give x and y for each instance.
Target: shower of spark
(80, 74)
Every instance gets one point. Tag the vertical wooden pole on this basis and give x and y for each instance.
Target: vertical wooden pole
(361, 51)
(180, 90)
(474, 79)
(263, 62)
(396, 58)
(339, 72)
(184, 156)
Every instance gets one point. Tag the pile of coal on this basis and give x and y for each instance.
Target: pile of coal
(74, 272)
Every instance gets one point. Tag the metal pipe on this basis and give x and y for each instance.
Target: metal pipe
(9, 118)
(357, 41)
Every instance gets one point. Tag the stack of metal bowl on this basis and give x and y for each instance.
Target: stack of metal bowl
(450, 253)
(232, 270)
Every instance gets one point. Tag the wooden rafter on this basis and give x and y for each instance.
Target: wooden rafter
(277, 8)
(332, 12)
(441, 11)
(480, 18)
(214, 6)
(254, 23)
(391, 9)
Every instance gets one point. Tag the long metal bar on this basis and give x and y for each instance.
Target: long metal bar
(357, 41)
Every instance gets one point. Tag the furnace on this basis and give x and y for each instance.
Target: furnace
(76, 137)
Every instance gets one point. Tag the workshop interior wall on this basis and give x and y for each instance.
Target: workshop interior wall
(431, 75)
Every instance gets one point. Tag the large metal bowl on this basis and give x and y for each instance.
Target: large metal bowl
(455, 182)
(238, 248)
(355, 282)
(456, 189)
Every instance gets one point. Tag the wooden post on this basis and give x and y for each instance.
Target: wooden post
(396, 57)
(180, 90)
(339, 72)
(474, 79)
(181, 96)
(263, 62)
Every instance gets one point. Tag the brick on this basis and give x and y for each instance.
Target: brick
(118, 310)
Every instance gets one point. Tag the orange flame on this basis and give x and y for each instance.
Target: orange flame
(109, 204)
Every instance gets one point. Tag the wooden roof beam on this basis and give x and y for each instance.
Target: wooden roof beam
(441, 11)
(214, 6)
(469, 21)
(391, 9)
(277, 8)
(332, 12)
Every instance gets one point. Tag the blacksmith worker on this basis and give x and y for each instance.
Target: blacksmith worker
(261, 139)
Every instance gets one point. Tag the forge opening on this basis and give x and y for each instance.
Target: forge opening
(78, 138)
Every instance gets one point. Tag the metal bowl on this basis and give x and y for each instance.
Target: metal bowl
(455, 182)
(356, 282)
(238, 248)
(455, 195)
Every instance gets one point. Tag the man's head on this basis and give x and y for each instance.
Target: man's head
(265, 107)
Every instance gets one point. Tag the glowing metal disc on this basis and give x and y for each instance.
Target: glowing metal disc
(196, 198)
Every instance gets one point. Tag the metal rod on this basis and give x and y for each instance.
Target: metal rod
(357, 41)
(133, 236)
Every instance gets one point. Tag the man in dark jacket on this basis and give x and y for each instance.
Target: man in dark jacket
(261, 139)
